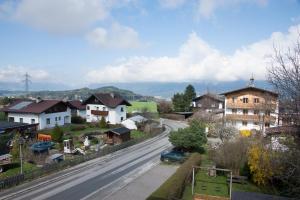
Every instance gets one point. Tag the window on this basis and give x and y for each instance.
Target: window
(87, 107)
(97, 108)
(245, 123)
(256, 100)
(213, 105)
(245, 112)
(233, 123)
(56, 119)
(59, 118)
(268, 112)
(21, 120)
(122, 109)
(48, 121)
(245, 100)
(256, 112)
(104, 108)
(32, 121)
(267, 124)
(256, 123)
(122, 118)
(234, 99)
(234, 111)
(11, 119)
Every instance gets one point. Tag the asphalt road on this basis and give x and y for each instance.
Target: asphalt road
(98, 178)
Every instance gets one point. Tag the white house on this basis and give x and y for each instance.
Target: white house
(109, 106)
(45, 113)
(77, 108)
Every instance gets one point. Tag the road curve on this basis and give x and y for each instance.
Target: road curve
(100, 177)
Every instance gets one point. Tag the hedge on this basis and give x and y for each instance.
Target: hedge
(175, 185)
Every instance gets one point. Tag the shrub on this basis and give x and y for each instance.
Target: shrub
(174, 186)
(57, 134)
(77, 128)
(77, 120)
(102, 123)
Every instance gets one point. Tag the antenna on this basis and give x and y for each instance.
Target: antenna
(27, 81)
(251, 82)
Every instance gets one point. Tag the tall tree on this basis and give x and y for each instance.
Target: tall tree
(284, 74)
(182, 102)
(189, 93)
(178, 102)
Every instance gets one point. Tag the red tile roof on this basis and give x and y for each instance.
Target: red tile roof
(76, 104)
(110, 100)
(32, 107)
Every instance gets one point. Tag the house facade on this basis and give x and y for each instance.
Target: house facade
(251, 108)
(109, 106)
(77, 108)
(209, 103)
(45, 113)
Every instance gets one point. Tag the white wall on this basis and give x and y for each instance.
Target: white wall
(41, 118)
(114, 114)
(81, 113)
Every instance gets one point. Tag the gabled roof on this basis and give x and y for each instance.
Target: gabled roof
(109, 100)
(250, 88)
(76, 104)
(119, 131)
(29, 106)
(212, 96)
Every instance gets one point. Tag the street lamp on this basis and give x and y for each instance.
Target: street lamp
(21, 142)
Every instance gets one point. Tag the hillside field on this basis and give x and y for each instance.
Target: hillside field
(138, 106)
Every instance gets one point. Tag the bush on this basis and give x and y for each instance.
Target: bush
(57, 134)
(103, 123)
(77, 128)
(77, 120)
(175, 185)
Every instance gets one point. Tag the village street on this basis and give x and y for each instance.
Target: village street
(98, 178)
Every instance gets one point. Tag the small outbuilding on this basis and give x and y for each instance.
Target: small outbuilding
(117, 135)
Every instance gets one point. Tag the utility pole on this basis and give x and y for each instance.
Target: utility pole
(26, 81)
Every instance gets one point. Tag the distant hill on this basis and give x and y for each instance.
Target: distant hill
(81, 93)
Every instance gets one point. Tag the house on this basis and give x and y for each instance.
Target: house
(45, 113)
(251, 108)
(117, 135)
(209, 102)
(109, 106)
(77, 108)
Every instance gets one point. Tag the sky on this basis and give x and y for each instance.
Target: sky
(83, 42)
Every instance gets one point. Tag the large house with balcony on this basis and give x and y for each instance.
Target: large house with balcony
(251, 108)
(209, 102)
(44, 113)
(109, 106)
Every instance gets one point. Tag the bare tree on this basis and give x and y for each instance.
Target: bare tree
(284, 74)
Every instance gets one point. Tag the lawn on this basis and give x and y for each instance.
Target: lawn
(2, 116)
(136, 134)
(137, 106)
(27, 167)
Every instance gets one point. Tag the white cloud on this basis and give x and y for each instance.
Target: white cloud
(206, 8)
(16, 74)
(117, 36)
(197, 61)
(171, 4)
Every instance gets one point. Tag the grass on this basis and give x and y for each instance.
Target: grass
(2, 116)
(149, 106)
(27, 167)
(136, 134)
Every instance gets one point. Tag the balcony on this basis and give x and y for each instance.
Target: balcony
(254, 118)
(253, 106)
(99, 113)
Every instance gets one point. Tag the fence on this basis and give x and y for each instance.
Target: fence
(50, 168)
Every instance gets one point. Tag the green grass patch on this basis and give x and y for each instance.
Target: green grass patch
(27, 167)
(137, 106)
(2, 116)
(136, 134)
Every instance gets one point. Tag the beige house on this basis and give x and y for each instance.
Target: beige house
(251, 108)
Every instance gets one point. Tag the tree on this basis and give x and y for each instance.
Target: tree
(191, 138)
(178, 102)
(224, 132)
(57, 134)
(284, 75)
(15, 151)
(103, 123)
(189, 93)
(164, 107)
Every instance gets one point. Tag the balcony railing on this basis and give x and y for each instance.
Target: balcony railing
(254, 118)
(99, 113)
(254, 106)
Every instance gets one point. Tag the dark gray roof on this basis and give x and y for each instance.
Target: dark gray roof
(4, 125)
(120, 131)
(211, 95)
(109, 100)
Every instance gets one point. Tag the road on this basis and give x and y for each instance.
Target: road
(98, 178)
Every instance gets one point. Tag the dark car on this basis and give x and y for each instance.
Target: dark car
(172, 155)
(42, 146)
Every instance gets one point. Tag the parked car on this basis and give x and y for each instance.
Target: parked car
(41, 146)
(172, 155)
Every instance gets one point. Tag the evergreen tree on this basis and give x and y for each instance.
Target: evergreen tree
(102, 123)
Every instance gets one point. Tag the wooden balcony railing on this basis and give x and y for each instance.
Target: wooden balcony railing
(99, 113)
(254, 118)
(254, 106)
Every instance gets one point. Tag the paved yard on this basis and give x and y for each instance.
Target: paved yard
(144, 185)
